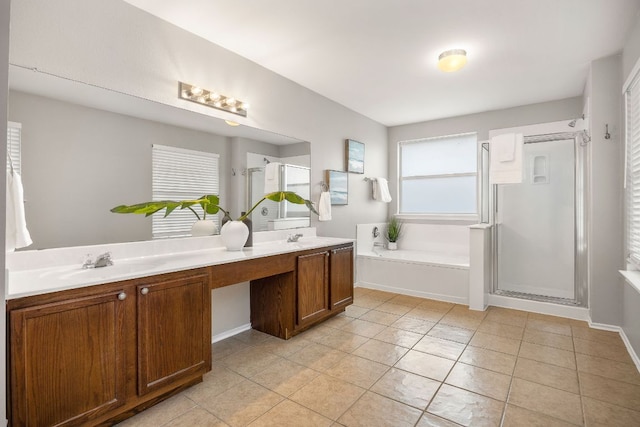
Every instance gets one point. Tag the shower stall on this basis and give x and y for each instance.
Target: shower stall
(540, 232)
(272, 215)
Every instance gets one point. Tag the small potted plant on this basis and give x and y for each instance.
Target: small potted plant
(393, 233)
(234, 232)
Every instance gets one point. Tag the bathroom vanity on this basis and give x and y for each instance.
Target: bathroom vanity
(94, 354)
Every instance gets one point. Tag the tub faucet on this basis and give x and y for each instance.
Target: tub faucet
(293, 237)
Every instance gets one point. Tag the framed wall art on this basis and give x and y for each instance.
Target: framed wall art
(338, 183)
(354, 156)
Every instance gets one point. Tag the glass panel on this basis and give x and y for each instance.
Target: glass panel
(449, 195)
(448, 155)
(536, 225)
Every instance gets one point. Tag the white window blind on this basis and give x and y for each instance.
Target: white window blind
(180, 174)
(438, 175)
(14, 150)
(632, 98)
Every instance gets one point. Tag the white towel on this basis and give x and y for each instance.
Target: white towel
(17, 234)
(381, 190)
(506, 172)
(324, 206)
(271, 177)
(503, 147)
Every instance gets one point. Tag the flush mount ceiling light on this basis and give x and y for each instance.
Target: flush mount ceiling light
(212, 99)
(452, 60)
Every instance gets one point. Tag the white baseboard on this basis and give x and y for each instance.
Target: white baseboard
(413, 293)
(625, 339)
(230, 333)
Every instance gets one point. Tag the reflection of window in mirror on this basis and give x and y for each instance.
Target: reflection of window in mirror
(14, 141)
(181, 174)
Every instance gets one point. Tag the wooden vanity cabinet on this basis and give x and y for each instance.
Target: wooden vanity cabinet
(68, 359)
(89, 355)
(173, 329)
(312, 288)
(324, 284)
(341, 277)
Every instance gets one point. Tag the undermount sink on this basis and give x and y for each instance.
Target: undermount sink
(118, 267)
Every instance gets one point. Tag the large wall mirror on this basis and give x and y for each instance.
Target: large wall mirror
(86, 149)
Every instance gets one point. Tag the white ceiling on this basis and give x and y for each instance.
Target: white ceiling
(378, 57)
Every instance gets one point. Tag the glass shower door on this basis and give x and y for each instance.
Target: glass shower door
(536, 225)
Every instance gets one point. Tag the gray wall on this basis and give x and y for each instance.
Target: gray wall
(481, 123)
(115, 45)
(80, 162)
(631, 51)
(605, 235)
(630, 296)
(4, 97)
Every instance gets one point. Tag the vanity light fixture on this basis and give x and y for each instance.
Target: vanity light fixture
(212, 99)
(452, 60)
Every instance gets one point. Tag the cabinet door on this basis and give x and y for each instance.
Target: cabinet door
(174, 329)
(312, 287)
(341, 277)
(67, 360)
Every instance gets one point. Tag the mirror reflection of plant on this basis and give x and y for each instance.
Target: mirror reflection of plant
(394, 229)
(209, 203)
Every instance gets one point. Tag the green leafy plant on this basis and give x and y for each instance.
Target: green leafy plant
(394, 229)
(210, 204)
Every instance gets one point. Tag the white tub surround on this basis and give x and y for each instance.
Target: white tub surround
(51, 270)
(432, 261)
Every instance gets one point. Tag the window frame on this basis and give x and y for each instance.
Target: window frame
(631, 92)
(465, 218)
(14, 154)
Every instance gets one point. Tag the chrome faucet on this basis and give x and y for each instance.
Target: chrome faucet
(293, 237)
(103, 260)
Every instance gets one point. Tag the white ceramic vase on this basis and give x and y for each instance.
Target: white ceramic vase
(234, 235)
(392, 246)
(204, 227)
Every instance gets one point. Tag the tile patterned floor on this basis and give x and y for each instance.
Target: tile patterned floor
(395, 360)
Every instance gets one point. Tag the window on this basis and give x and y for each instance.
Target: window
(14, 149)
(632, 98)
(180, 174)
(438, 175)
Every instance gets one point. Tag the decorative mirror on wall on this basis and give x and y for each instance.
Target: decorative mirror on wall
(87, 149)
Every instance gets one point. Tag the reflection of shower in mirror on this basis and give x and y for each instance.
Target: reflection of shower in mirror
(273, 215)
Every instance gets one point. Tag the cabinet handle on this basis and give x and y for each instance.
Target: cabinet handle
(144, 291)
(122, 296)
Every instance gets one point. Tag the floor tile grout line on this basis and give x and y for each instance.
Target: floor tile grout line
(467, 345)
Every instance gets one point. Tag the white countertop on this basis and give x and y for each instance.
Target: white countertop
(34, 281)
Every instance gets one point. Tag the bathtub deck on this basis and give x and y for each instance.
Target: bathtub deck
(419, 257)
